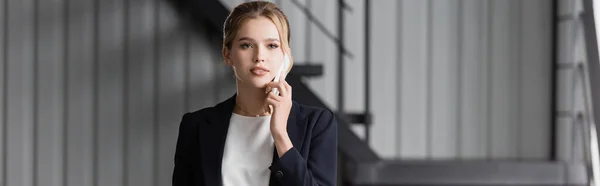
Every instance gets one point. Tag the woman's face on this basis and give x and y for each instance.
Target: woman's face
(256, 53)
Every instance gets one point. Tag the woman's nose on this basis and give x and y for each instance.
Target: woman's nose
(260, 56)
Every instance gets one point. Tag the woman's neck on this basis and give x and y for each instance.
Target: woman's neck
(250, 101)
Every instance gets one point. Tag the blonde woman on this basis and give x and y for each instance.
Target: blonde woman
(257, 137)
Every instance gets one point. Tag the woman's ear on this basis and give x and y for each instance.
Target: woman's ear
(227, 57)
(291, 59)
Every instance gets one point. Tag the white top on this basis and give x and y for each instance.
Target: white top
(248, 151)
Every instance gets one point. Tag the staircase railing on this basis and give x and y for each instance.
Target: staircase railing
(588, 73)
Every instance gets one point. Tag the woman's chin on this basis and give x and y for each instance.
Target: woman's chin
(260, 82)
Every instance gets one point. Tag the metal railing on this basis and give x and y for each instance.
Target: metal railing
(588, 74)
(583, 122)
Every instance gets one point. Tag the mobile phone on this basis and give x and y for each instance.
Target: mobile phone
(284, 66)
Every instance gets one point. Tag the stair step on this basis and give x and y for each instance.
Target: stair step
(307, 70)
(484, 173)
(357, 118)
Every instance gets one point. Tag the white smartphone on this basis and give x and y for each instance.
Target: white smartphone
(284, 66)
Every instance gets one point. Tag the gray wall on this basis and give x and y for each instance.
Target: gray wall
(93, 91)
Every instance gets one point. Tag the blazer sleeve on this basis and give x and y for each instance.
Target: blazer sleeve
(320, 168)
(185, 150)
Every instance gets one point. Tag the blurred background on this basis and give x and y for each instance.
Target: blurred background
(427, 92)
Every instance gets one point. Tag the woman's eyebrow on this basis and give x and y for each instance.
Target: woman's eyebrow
(245, 38)
(272, 39)
(250, 39)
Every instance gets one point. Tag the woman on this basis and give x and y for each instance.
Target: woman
(257, 137)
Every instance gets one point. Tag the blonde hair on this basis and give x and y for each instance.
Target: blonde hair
(251, 10)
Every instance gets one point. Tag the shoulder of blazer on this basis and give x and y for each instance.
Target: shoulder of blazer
(320, 118)
(199, 115)
(305, 111)
(200, 118)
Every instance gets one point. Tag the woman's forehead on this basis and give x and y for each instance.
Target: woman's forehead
(258, 29)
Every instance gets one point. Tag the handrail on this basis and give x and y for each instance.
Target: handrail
(588, 129)
(321, 27)
(588, 75)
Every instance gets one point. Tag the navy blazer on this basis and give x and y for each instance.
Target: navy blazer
(312, 160)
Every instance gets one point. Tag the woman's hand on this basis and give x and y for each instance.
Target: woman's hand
(280, 105)
(280, 110)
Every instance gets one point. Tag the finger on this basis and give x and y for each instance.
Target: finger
(278, 85)
(274, 96)
(272, 102)
(284, 91)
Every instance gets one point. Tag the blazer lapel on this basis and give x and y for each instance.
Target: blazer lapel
(212, 138)
(294, 127)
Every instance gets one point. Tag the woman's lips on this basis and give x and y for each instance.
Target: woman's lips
(259, 71)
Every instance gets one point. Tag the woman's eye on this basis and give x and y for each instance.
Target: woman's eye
(273, 46)
(245, 46)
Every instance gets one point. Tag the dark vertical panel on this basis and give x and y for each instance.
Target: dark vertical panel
(140, 98)
(80, 90)
(20, 96)
(155, 93)
(563, 85)
(95, 105)
(34, 76)
(110, 92)
(514, 124)
(65, 93)
(398, 86)
(171, 89)
(3, 88)
(125, 93)
(536, 78)
(428, 79)
(458, 76)
(49, 92)
(554, 51)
